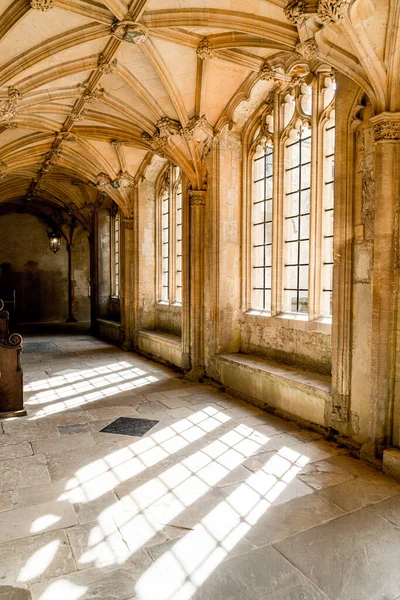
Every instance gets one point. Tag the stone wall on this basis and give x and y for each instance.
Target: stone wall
(299, 343)
(40, 277)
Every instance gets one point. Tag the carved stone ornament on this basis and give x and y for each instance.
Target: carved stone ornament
(197, 197)
(295, 11)
(106, 67)
(165, 126)
(331, 11)
(130, 31)
(93, 95)
(204, 50)
(14, 95)
(3, 167)
(42, 5)
(157, 143)
(78, 115)
(387, 130)
(267, 73)
(9, 110)
(124, 180)
(194, 123)
(127, 223)
(308, 49)
(103, 180)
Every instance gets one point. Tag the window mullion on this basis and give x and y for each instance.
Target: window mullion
(314, 271)
(172, 245)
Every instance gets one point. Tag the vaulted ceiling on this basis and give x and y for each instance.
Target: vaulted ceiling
(91, 90)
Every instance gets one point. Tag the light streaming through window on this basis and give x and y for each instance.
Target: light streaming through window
(262, 228)
(165, 247)
(178, 233)
(297, 220)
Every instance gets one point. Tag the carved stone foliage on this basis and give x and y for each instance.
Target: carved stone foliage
(42, 5)
(9, 110)
(204, 50)
(197, 197)
(156, 142)
(107, 67)
(127, 223)
(3, 172)
(387, 130)
(308, 49)
(166, 126)
(194, 123)
(103, 180)
(123, 180)
(93, 95)
(78, 115)
(331, 11)
(295, 11)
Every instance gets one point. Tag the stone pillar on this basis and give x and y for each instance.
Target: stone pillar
(384, 281)
(338, 413)
(70, 318)
(127, 285)
(93, 281)
(197, 201)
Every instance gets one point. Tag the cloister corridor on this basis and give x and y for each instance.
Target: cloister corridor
(218, 500)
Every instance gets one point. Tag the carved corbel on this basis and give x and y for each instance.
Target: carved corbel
(204, 50)
(332, 11)
(124, 180)
(103, 180)
(386, 126)
(295, 11)
(93, 95)
(194, 123)
(107, 67)
(78, 115)
(42, 5)
(308, 49)
(197, 197)
(3, 172)
(157, 143)
(130, 31)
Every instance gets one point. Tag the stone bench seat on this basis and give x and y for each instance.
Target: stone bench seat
(160, 344)
(109, 330)
(291, 391)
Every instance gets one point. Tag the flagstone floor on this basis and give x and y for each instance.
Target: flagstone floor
(218, 501)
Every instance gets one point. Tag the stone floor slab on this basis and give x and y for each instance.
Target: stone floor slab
(101, 584)
(260, 575)
(323, 474)
(21, 523)
(63, 444)
(6, 501)
(15, 450)
(27, 561)
(355, 557)
(23, 472)
(284, 520)
(388, 509)
(358, 493)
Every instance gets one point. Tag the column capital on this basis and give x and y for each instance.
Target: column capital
(128, 223)
(387, 126)
(197, 197)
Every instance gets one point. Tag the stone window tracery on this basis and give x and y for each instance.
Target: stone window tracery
(292, 202)
(115, 254)
(170, 237)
